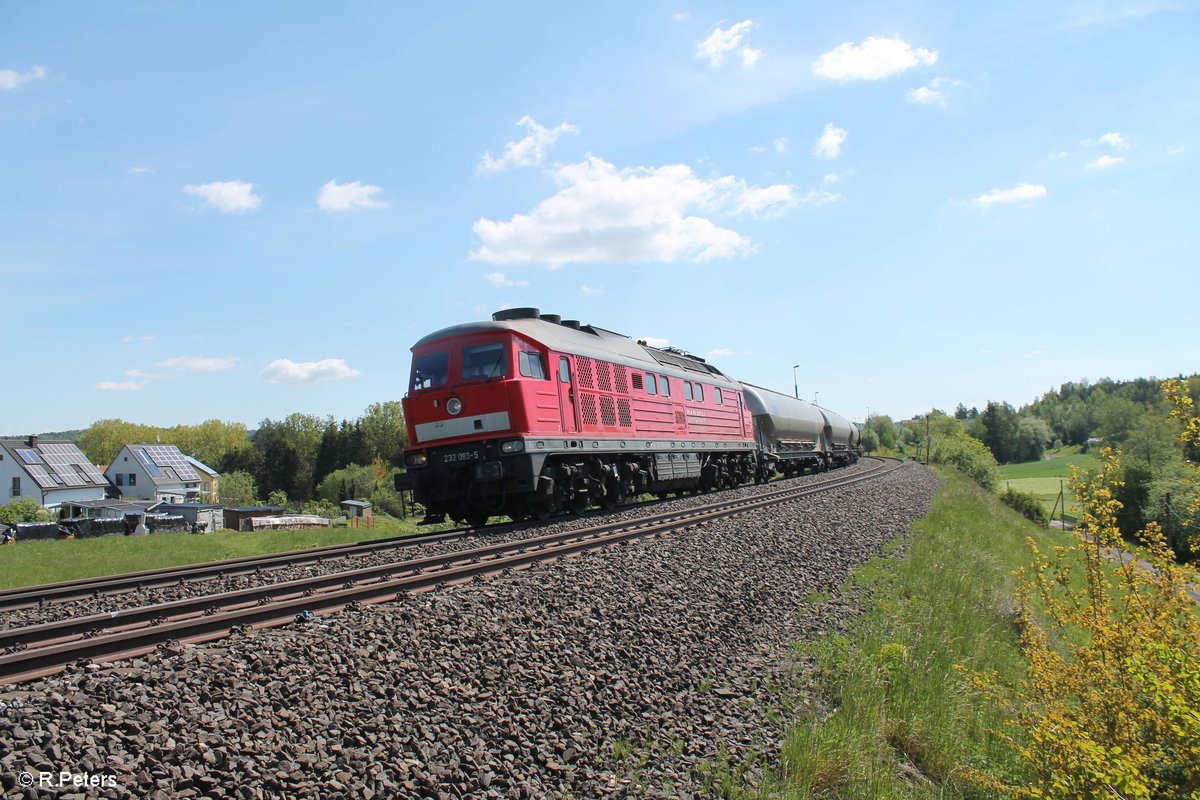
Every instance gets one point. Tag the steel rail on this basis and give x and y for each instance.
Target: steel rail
(300, 597)
(88, 588)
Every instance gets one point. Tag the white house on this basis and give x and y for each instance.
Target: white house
(50, 472)
(154, 472)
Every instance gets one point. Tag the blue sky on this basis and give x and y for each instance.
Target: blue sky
(244, 210)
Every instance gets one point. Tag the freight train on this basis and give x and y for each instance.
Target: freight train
(528, 415)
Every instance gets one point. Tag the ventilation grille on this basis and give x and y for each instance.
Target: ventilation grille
(623, 412)
(604, 376)
(587, 404)
(680, 419)
(637, 381)
(585, 370)
(608, 411)
(620, 379)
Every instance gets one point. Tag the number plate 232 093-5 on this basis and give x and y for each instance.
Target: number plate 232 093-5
(463, 456)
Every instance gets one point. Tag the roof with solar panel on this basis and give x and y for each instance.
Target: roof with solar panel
(164, 463)
(54, 464)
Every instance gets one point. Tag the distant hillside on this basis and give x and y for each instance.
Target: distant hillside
(69, 436)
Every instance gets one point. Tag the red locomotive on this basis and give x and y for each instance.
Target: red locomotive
(528, 414)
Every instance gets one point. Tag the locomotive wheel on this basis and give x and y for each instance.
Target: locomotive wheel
(578, 504)
(477, 519)
(544, 509)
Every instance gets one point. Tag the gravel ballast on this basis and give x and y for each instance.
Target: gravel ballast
(618, 674)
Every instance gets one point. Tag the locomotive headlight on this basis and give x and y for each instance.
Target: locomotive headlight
(454, 406)
(416, 460)
(512, 446)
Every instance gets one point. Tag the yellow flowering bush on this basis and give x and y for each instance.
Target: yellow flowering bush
(1110, 704)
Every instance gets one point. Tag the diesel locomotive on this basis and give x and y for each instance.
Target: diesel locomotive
(527, 415)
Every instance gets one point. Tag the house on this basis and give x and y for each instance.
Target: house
(154, 472)
(202, 516)
(50, 472)
(208, 480)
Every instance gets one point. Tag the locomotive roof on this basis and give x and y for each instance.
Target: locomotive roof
(587, 340)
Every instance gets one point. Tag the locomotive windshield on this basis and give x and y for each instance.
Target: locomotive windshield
(483, 361)
(430, 370)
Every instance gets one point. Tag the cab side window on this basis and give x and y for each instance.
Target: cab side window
(720, 400)
(564, 369)
(532, 365)
(664, 385)
(699, 392)
(651, 384)
(687, 390)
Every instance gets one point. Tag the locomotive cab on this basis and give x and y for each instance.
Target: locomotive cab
(463, 407)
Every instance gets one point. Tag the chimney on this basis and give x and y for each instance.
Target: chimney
(33, 440)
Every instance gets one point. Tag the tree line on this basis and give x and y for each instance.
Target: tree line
(295, 460)
(1131, 416)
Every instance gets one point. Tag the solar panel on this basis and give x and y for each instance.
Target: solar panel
(41, 477)
(150, 466)
(30, 456)
(169, 456)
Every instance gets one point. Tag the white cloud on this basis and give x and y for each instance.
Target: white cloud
(830, 143)
(932, 94)
(832, 177)
(198, 364)
(1105, 161)
(757, 148)
(681, 16)
(654, 341)
(781, 145)
(875, 58)
(228, 197)
(587, 291)
(1111, 139)
(284, 370)
(1175, 150)
(120, 386)
(130, 338)
(1022, 191)
(11, 80)
(720, 352)
(820, 197)
(723, 41)
(140, 170)
(335, 197)
(499, 279)
(137, 373)
(527, 152)
(602, 213)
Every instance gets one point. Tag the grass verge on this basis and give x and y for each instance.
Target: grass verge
(29, 563)
(898, 717)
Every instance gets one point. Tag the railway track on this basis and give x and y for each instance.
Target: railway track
(40, 650)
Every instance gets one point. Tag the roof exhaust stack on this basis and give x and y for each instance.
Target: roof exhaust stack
(573, 324)
(552, 318)
(515, 313)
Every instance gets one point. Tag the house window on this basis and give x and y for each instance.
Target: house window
(120, 479)
(16, 486)
(133, 479)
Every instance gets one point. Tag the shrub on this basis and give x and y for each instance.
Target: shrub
(1026, 503)
(968, 454)
(23, 509)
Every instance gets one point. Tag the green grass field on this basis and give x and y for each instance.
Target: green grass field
(1045, 478)
(901, 720)
(28, 563)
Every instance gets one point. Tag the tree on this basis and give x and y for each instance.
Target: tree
(1000, 431)
(104, 438)
(237, 489)
(884, 430)
(384, 431)
(354, 482)
(277, 498)
(1033, 434)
